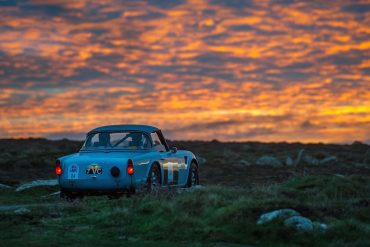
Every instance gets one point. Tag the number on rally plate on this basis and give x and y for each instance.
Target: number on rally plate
(73, 172)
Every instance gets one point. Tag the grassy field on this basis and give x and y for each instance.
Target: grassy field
(208, 216)
(223, 212)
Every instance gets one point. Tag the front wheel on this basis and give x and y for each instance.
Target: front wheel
(193, 177)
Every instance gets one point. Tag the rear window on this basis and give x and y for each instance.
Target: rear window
(118, 140)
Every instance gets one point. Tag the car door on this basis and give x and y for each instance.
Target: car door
(169, 160)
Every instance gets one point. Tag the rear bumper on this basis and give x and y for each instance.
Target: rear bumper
(94, 192)
(97, 184)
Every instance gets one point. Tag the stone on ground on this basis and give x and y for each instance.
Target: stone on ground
(268, 161)
(328, 160)
(300, 223)
(4, 186)
(50, 182)
(277, 214)
(289, 161)
(201, 160)
(22, 211)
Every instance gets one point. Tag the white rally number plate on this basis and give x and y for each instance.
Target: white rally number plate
(73, 172)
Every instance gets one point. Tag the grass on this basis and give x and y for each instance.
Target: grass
(210, 216)
(34, 195)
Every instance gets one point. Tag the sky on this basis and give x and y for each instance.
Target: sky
(231, 70)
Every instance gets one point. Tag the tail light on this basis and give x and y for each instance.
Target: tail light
(58, 168)
(130, 167)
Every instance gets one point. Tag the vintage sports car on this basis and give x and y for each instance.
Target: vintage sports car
(120, 159)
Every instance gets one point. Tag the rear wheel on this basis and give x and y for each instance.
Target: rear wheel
(193, 177)
(154, 179)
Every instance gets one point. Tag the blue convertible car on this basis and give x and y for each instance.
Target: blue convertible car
(120, 159)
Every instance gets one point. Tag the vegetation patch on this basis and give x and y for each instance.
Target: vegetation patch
(208, 216)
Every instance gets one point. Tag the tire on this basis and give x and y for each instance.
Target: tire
(193, 177)
(154, 179)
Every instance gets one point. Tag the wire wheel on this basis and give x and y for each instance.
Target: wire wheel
(154, 180)
(193, 179)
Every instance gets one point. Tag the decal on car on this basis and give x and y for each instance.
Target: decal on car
(171, 173)
(94, 169)
(141, 163)
(73, 171)
(184, 163)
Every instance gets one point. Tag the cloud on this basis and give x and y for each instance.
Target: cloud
(166, 4)
(231, 70)
(357, 8)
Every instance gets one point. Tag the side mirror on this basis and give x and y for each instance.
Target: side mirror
(174, 149)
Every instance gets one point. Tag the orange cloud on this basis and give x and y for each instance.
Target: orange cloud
(199, 69)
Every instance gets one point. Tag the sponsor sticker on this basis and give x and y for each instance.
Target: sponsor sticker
(170, 171)
(73, 171)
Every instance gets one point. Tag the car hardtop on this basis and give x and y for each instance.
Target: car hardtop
(125, 127)
(147, 129)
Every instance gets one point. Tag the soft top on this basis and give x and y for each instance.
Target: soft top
(126, 127)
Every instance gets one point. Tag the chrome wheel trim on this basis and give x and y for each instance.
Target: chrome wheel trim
(154, 181)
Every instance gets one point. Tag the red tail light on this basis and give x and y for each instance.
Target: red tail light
(58, 168)
(130, 167)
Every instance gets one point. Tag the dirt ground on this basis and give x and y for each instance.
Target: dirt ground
(231, 164)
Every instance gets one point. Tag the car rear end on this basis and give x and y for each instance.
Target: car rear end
(98, 175)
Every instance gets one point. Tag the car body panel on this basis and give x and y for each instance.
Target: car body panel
(91, 169)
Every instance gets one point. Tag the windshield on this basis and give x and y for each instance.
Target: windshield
(117, 140)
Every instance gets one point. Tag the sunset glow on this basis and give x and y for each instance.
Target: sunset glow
(230, 70)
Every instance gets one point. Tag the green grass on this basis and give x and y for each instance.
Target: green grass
(33, 195)
(211, 216)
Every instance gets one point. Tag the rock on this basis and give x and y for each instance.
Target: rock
(57, 193)
(5, 157)
(4, 186)
(339, 175)
(194, 188)
(50, 182)
(367, 157)
(328, 160)
(310, 160)
(191, 189)
(360, 165)
(244, 163)
(319, 226)
(280, 214)
(132, 239)
(268, 161)
(358, 144)
(201, 160)
(299, 157)
(22, 211)
(246, 147)
(299, 222)
(292, 219)
(289, 161)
